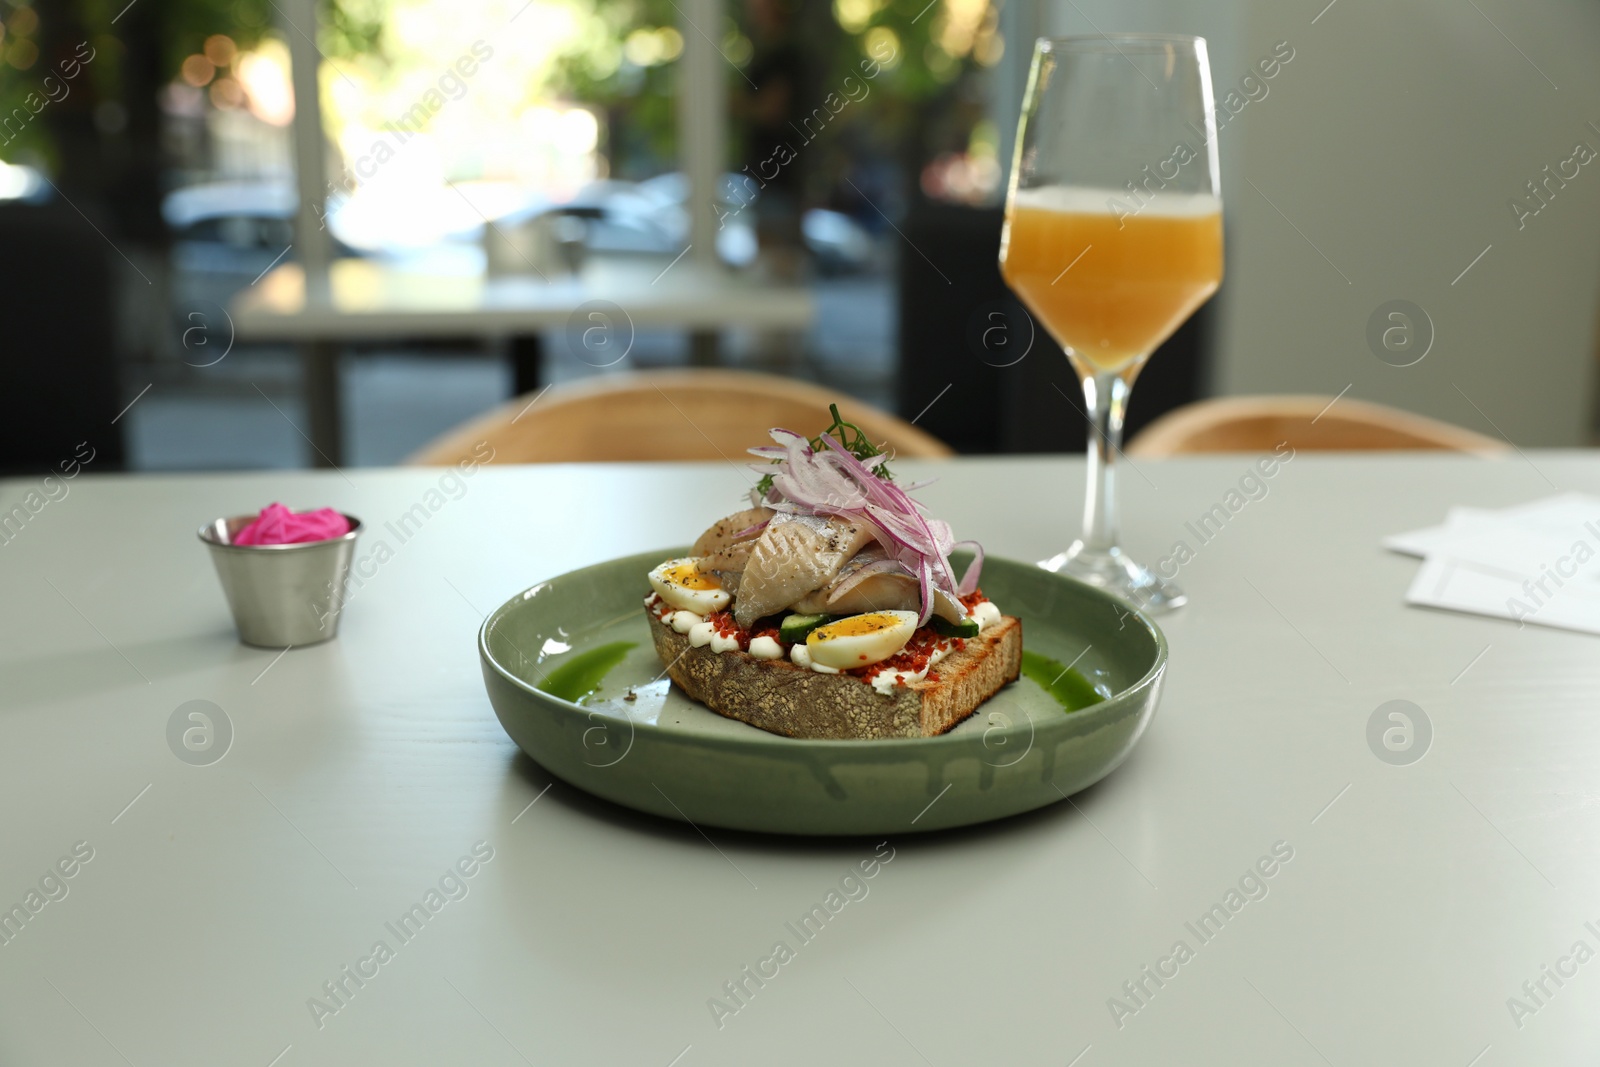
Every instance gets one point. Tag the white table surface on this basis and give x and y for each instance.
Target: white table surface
(224, 896)
(373, 300)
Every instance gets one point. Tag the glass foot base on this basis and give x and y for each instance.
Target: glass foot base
(1114, 572)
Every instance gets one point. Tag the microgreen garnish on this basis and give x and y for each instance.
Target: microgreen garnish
(852, 437)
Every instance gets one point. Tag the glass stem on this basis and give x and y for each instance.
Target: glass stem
(1107, 397)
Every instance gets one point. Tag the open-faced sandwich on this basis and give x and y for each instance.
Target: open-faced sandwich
(829, 607)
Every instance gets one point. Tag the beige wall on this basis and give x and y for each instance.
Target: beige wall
(1394, 140)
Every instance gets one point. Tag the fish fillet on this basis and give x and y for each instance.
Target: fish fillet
(894, 590)
(722, 553)
(794, 555)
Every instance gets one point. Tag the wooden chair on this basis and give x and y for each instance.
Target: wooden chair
(665, 415)
(1315, 423)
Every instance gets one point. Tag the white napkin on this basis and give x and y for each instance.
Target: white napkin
(1533, 563)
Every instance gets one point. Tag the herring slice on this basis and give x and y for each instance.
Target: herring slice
(794, 555)
(724, 533)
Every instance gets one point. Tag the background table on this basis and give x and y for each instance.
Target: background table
(368, 301)
(220, 898)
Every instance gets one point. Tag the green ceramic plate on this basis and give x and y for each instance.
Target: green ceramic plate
(667, 755)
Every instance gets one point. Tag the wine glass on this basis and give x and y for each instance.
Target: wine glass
(1113, 237)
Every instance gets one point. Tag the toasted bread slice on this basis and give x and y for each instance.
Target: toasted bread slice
(783, 698)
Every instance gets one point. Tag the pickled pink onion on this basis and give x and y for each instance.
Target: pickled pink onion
(277, 525)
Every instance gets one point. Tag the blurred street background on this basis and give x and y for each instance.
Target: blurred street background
(150, 182)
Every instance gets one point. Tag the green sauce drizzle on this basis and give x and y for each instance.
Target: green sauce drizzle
(581, 673)
(1070, 689)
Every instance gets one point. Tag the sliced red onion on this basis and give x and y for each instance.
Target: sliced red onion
(969, 580)
(925, 591)
(891, 497)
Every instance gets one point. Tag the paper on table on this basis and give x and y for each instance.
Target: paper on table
(1460, 585)
(1537, 562)
(1560, 514)
(1421, 542)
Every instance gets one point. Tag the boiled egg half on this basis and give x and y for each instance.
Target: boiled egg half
(861, 640)
(686, 587)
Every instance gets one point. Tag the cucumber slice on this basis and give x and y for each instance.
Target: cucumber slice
(794, 628)
(967, 627)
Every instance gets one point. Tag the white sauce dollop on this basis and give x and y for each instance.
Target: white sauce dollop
(765, 647)
(885, 681)
(800, 656)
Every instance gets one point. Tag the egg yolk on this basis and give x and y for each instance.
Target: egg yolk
(689, 576)
(856, 626)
